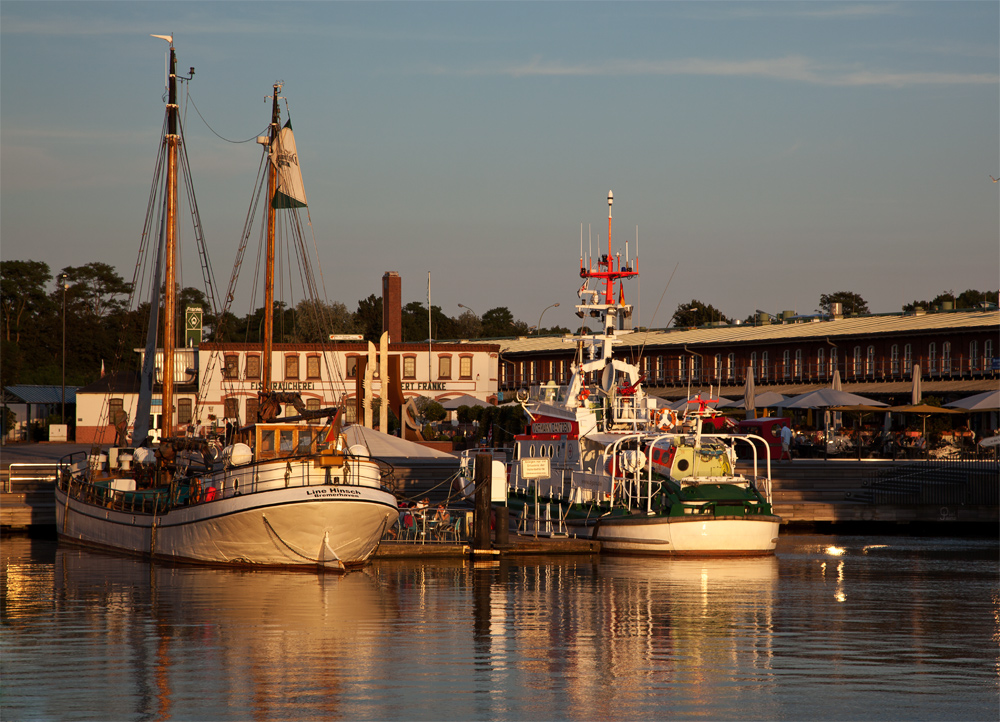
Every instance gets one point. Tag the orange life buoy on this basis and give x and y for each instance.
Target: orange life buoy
(666, 419)
(584, 395)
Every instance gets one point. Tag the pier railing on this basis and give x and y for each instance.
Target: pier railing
(955, 482)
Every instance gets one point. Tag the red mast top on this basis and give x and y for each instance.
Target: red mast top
(608, 270)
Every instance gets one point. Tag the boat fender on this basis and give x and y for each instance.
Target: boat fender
(237, 455)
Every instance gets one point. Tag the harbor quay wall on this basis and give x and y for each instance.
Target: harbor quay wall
(844, 493)
(834, 494)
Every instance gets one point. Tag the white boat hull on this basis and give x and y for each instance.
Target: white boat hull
(264, 524)
(671, 536)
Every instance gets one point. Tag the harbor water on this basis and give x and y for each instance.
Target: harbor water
(831, 628)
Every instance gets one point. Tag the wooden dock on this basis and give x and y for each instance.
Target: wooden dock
(517, 546)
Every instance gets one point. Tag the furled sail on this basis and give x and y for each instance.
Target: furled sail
(145, 400)
(291, 192)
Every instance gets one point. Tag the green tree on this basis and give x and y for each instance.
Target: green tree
(697, 313)
(22, 293)
(316, 320)
(852, 303)
(96, 287)
(468, 325)
(368, 318)
(500, 321)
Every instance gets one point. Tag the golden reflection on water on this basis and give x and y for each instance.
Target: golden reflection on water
(524, 638)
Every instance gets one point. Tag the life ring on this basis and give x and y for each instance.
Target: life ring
(583, 395)
(666, 419)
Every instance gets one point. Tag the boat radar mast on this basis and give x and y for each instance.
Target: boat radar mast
(607, 269)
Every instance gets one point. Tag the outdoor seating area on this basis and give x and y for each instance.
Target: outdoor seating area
(423, 524)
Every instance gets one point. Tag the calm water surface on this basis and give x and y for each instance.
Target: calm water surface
(832, 628)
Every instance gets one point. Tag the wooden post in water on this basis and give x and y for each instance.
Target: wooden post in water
(502, 532)
(481, 516)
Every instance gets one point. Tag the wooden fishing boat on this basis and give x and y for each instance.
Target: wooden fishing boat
(276, 491)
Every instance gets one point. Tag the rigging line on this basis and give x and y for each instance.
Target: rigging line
(657, 310)
(236, 142)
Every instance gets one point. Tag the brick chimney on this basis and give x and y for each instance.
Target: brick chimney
(392, 306)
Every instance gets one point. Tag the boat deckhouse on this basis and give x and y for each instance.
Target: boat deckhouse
(954, 352)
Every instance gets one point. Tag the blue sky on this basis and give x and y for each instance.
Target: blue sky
(770, 151)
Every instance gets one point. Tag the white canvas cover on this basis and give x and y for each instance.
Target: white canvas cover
(291, 191)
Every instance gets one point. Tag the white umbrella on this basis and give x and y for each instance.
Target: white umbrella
(463, 400)
(825, 398)
(766, 400)
(989, 401)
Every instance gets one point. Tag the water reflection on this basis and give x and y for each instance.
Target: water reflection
(887, 628)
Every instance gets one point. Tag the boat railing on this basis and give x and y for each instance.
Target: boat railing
(78, 479)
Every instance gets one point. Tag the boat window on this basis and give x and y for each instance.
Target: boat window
(266, 440)
(531, 451)
(305, 440)
(551, 451)
(286, 440)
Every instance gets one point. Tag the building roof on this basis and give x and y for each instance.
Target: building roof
(863, 326)
(25, 394)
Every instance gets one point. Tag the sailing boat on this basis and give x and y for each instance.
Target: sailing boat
(283, 492)
(599, 458)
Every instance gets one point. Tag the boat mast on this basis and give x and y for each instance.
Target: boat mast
(272, 185)
(172, 140)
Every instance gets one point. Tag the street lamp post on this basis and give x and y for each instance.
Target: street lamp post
(62, 279)
(462, 305)
(538, 328)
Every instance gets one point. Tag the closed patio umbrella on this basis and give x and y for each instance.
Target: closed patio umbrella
(749, 402)
(916, 395)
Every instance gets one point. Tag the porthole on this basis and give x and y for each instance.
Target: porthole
(682, 465)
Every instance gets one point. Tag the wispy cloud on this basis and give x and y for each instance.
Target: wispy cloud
(794, 68)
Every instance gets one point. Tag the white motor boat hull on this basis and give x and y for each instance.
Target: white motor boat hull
(671, 536)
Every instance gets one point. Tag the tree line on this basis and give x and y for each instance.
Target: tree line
(101, 328)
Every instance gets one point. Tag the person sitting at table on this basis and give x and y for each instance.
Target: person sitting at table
(442, 521)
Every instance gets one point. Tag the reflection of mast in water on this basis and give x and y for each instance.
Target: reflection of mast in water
(265, 639)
